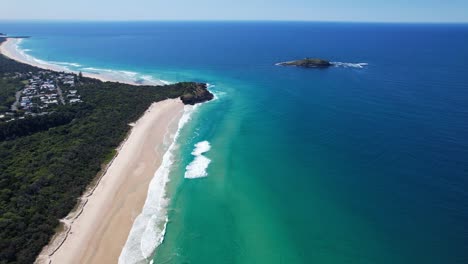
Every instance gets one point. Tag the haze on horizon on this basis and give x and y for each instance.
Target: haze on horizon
(452, 11)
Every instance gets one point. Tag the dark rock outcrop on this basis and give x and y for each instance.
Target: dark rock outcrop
(307, 63)
(196, 93)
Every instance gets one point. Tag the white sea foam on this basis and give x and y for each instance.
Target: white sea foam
(149, 227)
(349, 65)
(21, 55)
(129, 74)
(66, 63)
(124, 76)
(151, 80)
(216, 93)
(147, 77)
(102, 73)
(165, 82)
(197, 168)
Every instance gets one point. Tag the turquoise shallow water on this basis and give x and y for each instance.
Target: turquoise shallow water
(343, 165)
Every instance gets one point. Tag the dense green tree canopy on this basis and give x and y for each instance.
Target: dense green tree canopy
(46, 162)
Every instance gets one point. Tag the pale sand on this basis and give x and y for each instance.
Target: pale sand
(10, 49)
(96, 231)
(100, 230)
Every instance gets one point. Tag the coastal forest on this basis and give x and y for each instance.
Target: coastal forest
(47, 161)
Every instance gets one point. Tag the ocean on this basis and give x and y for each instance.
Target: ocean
(364, 162)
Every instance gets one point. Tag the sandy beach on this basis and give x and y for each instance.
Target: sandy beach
(10, 49)
(97, 232)
(98, 228)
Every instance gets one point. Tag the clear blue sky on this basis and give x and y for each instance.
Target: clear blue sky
(313, 10)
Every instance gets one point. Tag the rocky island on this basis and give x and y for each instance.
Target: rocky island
(307, 63)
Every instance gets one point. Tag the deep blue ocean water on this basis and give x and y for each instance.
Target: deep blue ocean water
(338, 165)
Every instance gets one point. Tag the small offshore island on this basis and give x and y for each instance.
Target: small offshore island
(307, 63)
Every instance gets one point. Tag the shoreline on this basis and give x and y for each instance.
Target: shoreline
(10, 49)
(97, 230)
(112, 217)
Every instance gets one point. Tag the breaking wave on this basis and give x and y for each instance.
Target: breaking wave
(108, 74)
(151, 79)
(149, 227)
(197, 168)
(123, 76)
(22, 56)
(216, 93)
(66, 63)
(349, 65)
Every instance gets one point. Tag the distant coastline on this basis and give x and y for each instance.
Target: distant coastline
(10, 48)
(14, 37)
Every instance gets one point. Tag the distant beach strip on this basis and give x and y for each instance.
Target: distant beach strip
(11, 48)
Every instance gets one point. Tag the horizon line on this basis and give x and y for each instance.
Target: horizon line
(229, 20)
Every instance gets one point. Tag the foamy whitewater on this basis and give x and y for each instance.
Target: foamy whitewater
(14, 46)
(349, 64)
(197, 168)
(259, 133)
(149, 227)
